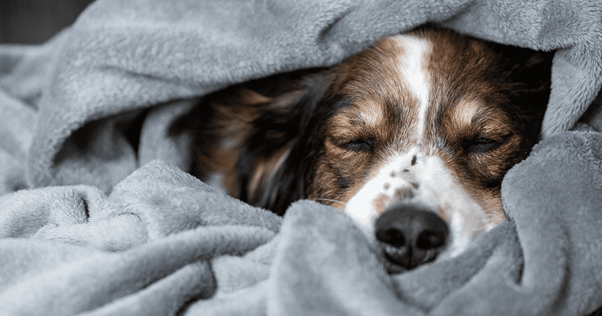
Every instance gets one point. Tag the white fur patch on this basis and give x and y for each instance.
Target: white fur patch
(413, 72)
(437, 190)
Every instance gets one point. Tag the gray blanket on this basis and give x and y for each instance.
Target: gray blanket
(95, 221)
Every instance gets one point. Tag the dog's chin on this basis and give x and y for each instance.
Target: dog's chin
(393, 268)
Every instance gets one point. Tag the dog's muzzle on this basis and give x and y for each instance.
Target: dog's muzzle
(410, 235)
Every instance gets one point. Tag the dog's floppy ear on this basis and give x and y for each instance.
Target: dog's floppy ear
(530, 73)
(531, 68)
(273, 163)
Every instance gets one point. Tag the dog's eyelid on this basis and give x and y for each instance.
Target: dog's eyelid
(491, 138)
(482, 144)
(368, 140)
(486, 140)
(361, 144)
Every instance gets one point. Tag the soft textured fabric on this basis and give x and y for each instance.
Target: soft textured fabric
(99, 217)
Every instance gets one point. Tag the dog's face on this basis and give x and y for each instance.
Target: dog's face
(425, 124)
(411, 138)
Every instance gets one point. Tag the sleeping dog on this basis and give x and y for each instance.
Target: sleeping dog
(411, 138)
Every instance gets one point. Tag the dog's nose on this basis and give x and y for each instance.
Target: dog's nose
(411, 235)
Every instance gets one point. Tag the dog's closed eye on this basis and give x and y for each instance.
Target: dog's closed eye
(360, 145)
(482, 145)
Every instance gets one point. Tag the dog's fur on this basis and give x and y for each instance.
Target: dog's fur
(428, 119)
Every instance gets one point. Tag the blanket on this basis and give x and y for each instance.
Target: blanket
(99, 217)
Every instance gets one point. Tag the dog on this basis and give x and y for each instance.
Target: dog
(411, 138)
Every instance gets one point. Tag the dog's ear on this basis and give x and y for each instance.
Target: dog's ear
(532, 69)
(273, 163)
(529, 72)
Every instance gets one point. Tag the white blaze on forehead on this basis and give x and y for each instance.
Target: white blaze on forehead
(412, 68)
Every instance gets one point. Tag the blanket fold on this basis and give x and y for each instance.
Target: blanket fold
(99, 217)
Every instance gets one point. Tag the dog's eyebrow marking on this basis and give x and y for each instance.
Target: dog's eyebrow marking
(468, 112)
(368, 113)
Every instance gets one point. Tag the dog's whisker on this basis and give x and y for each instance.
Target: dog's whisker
(519, 118)
(492, 221)
(329, 200)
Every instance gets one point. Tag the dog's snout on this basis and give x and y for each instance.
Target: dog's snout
(411, 235)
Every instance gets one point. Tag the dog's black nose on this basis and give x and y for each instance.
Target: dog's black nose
(411, 235)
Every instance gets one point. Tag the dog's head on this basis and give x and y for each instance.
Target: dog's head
(411, 138)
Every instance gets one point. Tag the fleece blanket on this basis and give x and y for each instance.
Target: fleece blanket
(99, 217)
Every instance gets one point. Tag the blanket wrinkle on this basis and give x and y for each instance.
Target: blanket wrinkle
(148, 192)
(193, 281)
(554, 159)
(39, 205)
(16, 135)
(98, 215)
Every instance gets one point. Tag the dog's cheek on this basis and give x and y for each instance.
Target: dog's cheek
(487, 170)
(327, 182)
(338, 176)
(481, 175)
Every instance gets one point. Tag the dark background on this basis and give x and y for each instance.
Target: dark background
(36, 21)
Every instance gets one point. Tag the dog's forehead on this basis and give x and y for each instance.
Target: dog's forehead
(418, 77)
(389, 84)
(394, 69)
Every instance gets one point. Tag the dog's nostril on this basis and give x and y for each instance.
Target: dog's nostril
(431, 239)
(393, 237)
(411, 235)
